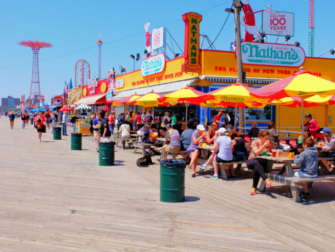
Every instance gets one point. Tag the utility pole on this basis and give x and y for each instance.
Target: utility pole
(239, 58)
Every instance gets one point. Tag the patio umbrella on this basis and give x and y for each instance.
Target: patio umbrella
(65, 108)
(186, 95)
(301, 84)
(319, 100)
(125, 100)
(234, 95)
(149, 100)
(83, 106)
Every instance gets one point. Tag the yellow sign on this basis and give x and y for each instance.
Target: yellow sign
(192, 39)
(103, 87)
(84, 92)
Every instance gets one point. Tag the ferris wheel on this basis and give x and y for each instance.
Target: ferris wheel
(82, 73)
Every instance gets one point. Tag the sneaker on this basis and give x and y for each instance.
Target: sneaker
(203, 166)
(97, 150)
(268, 182)
(193, 175)
(253, 191)
(215, 176)
(305, 195)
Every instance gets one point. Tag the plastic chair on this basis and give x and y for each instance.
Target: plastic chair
(247, 139)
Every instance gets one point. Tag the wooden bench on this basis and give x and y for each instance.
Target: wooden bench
(225, 166)
(296, 183)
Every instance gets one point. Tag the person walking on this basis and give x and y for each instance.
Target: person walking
(73, 121)
(96, 127)
(11, 120)
(111, 122)
(39, 122)
(64, 124)
(23, 118)
(53, 122)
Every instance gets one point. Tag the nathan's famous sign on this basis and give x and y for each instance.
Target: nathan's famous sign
(272, 54)
(191, 45)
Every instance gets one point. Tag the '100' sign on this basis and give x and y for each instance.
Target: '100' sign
(153, 65)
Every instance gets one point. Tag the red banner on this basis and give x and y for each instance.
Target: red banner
(96, 87)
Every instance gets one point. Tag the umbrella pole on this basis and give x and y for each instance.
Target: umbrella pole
(279, 118)
(302, 119)
(235, 115)
(186, 106)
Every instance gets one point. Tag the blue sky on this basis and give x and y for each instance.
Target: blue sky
(73, 27)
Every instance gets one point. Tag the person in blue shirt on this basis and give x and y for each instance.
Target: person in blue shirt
(223, 121)
(11, 120)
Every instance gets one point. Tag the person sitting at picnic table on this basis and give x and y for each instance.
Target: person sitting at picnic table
(328, 148)
(172, 141)
(274, 135)
(211, 133)
(258, 166)
(312, 125)
(222, 152)
(308, 161)
(238, 146)
(192, 151)
(254, 131)
(186, 136)
(298, 147)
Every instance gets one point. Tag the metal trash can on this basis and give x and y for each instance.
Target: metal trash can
(57, 133)
(76, 141)
(172, 180)
(106, 154)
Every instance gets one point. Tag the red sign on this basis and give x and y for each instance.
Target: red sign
(100, 87)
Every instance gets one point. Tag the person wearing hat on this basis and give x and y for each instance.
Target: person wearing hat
(312, 125)
(328, 150)
(222, 152)
(198, 136)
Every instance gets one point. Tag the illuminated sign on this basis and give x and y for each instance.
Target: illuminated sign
(153, 65)
(277, 23)
(272, 54)
(191, 45)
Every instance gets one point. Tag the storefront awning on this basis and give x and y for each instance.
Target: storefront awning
(91, 100)
(160, 88)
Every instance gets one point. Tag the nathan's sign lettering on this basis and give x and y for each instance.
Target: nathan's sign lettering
(153, 65)
(192, 49)
(272, 54)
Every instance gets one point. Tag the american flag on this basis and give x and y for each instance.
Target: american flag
(58, 101)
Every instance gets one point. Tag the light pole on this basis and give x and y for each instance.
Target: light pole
(133, 57)
(238, 5)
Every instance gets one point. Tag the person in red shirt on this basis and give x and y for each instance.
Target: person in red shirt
(312, 125)
(138, 120)
(216, 118)
(39, 122)
(111, 122)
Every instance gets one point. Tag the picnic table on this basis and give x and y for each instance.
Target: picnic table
(295, 183)
(161, 139)
(207, 147)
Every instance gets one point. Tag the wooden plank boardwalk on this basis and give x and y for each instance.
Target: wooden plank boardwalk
(54, 199)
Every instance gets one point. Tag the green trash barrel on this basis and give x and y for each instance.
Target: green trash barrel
(76, 143)
(172, 180)
(106, 154)
(57, 131)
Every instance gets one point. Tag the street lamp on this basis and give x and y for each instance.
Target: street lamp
(133, 57)
(331, 51)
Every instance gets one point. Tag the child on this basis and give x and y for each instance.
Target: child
(308, 161)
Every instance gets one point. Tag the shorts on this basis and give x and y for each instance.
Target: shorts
(168, 149)
(219, 160)
(40, 130)
(96, 136)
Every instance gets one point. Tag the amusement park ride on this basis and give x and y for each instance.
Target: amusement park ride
(35, 90)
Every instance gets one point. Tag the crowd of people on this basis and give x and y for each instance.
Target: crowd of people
(227, 145)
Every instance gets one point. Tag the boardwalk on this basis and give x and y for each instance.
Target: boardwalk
(54, 199)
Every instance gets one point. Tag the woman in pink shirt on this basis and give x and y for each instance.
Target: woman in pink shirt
(39, 122)
(312, 125)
